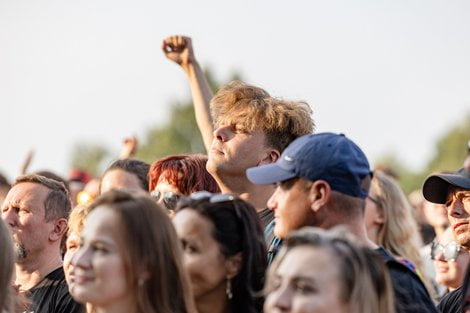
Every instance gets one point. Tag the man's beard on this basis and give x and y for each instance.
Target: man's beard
(20, 251)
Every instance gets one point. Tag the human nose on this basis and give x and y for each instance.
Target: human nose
(221, 133)
(9, 217)
(81, 258)
(282, 298)
(456, 209)
(272, 201)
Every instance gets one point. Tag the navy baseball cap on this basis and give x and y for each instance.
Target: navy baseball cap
(436, 186)
(327, 156)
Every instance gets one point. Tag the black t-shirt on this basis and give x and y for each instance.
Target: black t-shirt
(452, 302)
(51, 295)
(410, 294)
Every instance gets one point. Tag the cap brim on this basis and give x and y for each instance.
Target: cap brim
(436, 187)
(268, 174)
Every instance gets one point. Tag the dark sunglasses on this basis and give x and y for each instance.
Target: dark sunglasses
(169, 198)
(211, 197)
(449, 251)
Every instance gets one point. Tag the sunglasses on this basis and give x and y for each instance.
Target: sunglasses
(169, 198)
(211, 197)
(449, 251)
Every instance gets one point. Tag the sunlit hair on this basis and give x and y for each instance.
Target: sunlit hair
(77, 219)
(7, 261)
(139, 168)
(57, 203)
(151, 252)
(364, 279)
(187, 172)
(399, 233)
(237, 228)
(251, 108)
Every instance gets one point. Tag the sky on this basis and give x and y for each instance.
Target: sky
(392, 75)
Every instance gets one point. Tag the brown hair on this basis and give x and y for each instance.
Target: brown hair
(187, 172)
(151, 252)
(57, 203)
(282, 121)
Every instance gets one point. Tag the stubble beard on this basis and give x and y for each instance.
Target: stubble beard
(20, 251)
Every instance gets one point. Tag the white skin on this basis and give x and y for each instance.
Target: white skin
(458, 212)
(373, 217)
(36, 240)
(307, 280)
(207, 267)
(99, 276)
(230, 150)
(72, 245)
(436, 216)
(121, 180)
(450, 273)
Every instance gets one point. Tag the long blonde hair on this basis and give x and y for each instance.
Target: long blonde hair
(399, 233)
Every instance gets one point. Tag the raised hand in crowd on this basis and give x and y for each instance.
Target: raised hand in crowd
(129, 147)
(26, 162)
(179, 49)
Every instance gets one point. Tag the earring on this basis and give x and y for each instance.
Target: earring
(140, 282)
(228, 289)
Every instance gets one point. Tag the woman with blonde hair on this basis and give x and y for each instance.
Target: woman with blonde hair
(7, 262)
(129, 259)
(320, 271)
(390, 221)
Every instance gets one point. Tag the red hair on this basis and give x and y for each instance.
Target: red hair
(187, 172)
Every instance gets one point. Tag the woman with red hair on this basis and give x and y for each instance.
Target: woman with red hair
(176, 175)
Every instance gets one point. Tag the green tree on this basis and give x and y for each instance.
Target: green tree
(89, 156)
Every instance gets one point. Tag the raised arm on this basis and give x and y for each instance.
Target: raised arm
(179, 49)
(129, 148)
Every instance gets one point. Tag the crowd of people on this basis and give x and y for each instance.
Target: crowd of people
(275, 218)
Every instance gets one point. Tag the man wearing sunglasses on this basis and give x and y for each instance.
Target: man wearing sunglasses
(453, 190)
(322, 180)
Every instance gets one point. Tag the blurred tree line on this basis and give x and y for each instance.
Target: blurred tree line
(180, 134)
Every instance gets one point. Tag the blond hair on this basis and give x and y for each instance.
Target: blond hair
(251, 107)
(399, 233)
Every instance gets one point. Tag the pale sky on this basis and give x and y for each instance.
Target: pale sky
(392, 75)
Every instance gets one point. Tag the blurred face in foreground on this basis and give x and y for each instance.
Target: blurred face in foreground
(99, 274)
(307, 280)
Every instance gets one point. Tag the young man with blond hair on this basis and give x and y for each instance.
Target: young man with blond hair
(242, 126)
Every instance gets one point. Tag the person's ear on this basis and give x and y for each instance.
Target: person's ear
(59, 229)
(271, 157)
(319, 194)
(379, 217)
(233, 265)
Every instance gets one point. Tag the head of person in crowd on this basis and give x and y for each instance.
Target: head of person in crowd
(322, 180)
(36, 209)
(224, 252)
(251, 129)
(54, 176)
(75, 227)
(322, 271)
(7, 262)
(4, 188)
(452, 190)
(129, 258)
(77, 180)
(390, 221)
(450, 260)
(126, 174)
(179, 175)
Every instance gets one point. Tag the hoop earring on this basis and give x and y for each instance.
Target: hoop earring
(228, 289)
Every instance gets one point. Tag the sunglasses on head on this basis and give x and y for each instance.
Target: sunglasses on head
(211, 197)
(169, 198)
(449, 251)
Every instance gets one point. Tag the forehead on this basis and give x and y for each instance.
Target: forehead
(28, 194)
(102, 221)
(310, 261)
(190, 223)
(119, 179)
